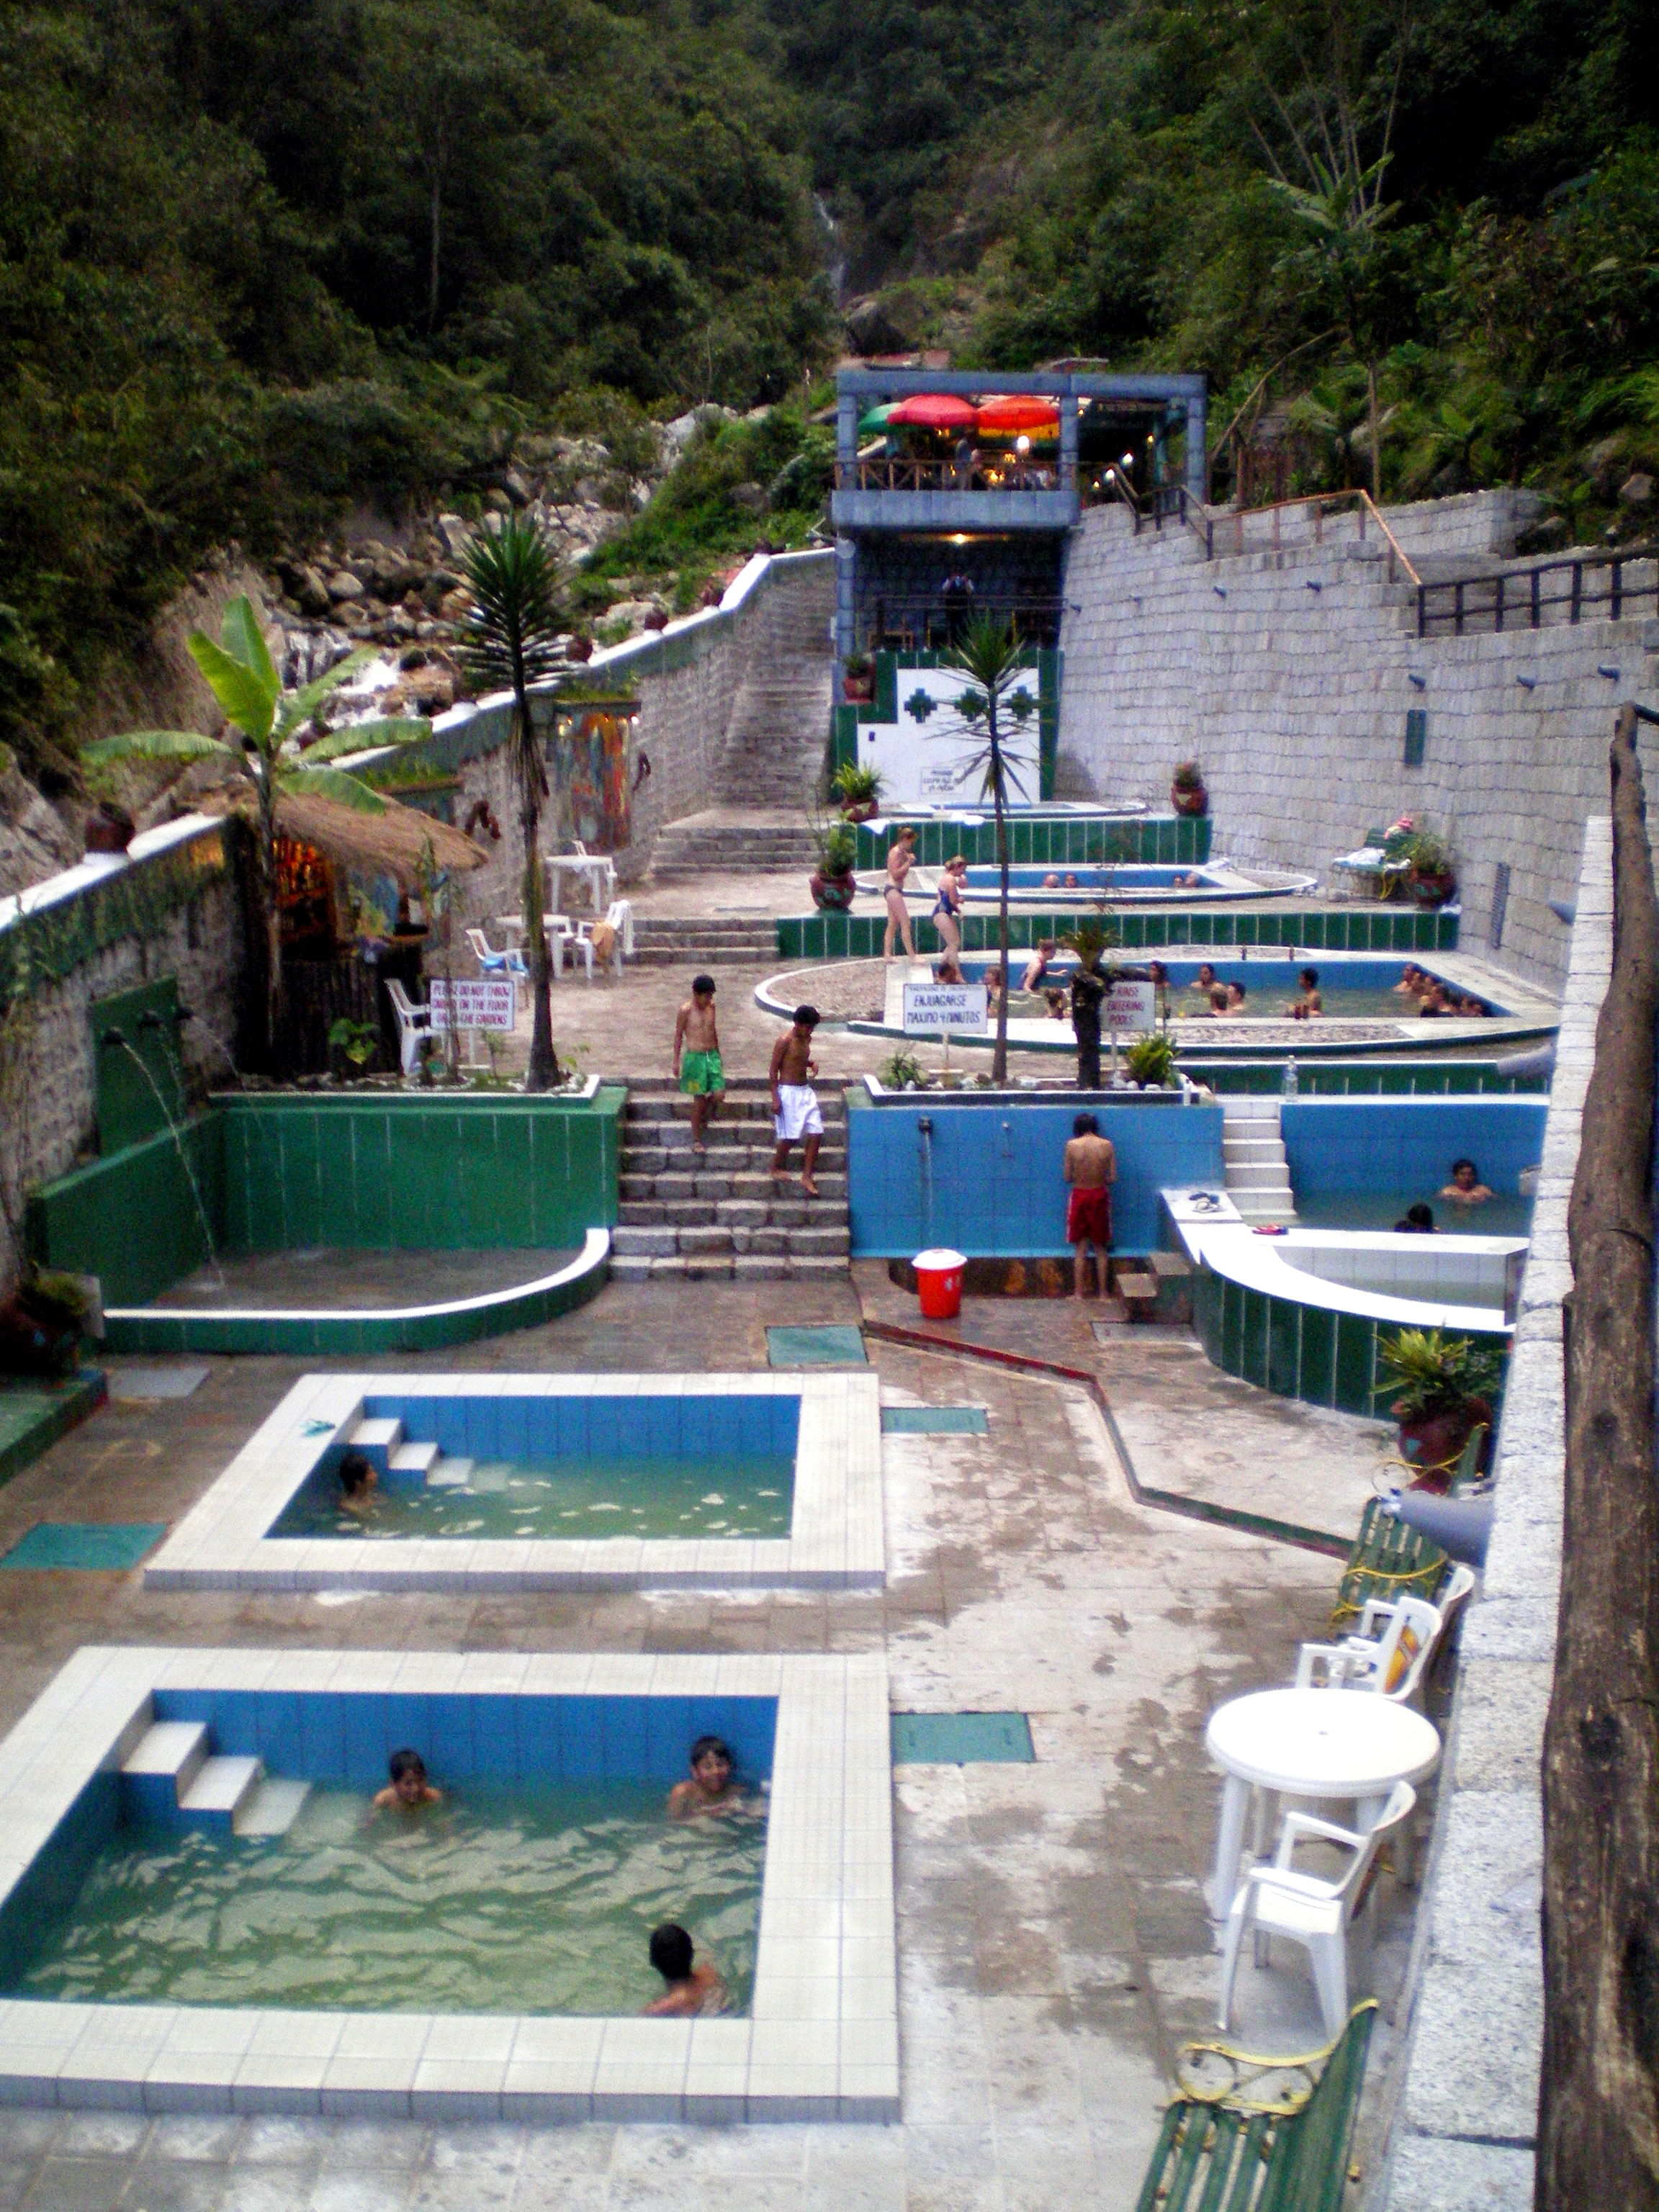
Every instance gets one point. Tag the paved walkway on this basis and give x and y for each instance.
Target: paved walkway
(1053, 1941)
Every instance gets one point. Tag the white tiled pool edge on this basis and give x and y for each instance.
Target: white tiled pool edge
(821, 2040)
(836, 1539)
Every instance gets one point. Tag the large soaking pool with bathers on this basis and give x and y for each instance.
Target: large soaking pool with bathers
(1349, 989)
(1140, 881)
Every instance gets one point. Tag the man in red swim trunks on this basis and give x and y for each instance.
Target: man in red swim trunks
(1091, 1169)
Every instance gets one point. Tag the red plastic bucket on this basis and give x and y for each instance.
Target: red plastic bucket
(939, 1278)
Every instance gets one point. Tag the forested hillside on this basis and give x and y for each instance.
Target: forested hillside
(263, 259)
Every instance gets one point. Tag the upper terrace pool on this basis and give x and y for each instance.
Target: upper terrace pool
(1217, 879)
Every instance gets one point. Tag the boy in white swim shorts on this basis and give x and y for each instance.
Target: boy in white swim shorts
(795, 1116)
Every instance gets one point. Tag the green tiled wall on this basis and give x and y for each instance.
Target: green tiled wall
(1374, 929)
(132, 1219)
(1403, 1079)
(1054, 841)
(34, 1414)
(388, 1172)
(377, 1171)
(1296, 1351)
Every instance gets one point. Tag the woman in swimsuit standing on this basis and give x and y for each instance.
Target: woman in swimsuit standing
(901, 858)
(947, 910)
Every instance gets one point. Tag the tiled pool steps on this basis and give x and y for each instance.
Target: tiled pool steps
(175, 1779)
(402, 1464)
(1258, 1176)
(723, 1216)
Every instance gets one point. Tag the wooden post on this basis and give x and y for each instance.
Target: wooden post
(1598, 2131)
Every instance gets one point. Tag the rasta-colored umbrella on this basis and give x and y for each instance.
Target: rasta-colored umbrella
(1019, 414)
(932, 410)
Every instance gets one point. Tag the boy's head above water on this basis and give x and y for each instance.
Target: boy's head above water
(671, 1952)
(356, 1475)
(408, 1771)
(711, 1762)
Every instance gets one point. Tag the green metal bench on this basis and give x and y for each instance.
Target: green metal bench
(1223, 2149)
(1389, 1560)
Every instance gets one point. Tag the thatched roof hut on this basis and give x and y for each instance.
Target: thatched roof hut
(391, 844)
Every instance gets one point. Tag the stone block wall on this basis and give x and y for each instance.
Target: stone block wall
(1289, 673)
(202, 945)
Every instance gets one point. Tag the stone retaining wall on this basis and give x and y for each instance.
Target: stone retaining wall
(1289, 674)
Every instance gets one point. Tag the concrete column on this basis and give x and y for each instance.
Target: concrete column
(847, 430)
(846, 557)
(1198, 431)
(1068, 443)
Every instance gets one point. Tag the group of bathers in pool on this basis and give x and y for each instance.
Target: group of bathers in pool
(692, 1986)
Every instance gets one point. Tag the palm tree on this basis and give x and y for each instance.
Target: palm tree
(266, 745)
(510, 642)
(992, 659)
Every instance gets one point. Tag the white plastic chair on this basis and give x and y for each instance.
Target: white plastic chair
(1306, 1909)
(1388, 1654)
(510, 962)
(414, 1023)
(619, 918)
(563, 939)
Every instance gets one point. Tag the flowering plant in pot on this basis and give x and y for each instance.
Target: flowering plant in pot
(832, 882)
(1429, 878)
(858, 790)
(1442, 1383)
(1187, 792)
(858, 678)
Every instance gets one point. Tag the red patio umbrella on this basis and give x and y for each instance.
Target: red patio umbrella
(1018, 411)
(934, 411)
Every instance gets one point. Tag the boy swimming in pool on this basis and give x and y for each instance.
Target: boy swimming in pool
(711, 1787)
(409, 1786)
(357, 1482)
(691, 1988)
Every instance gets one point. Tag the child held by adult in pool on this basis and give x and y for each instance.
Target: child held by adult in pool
(409, 1788)
(692, 1987)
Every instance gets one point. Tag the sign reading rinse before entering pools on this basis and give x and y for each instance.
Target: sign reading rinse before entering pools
(482, 1002)
(945, 1009)
(1129, 1006)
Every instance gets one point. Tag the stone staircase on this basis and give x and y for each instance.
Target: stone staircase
(714, 844)
(722, 1217)
(1258, 1176)
(688, 941)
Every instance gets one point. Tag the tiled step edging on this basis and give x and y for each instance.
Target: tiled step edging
(1360, 929)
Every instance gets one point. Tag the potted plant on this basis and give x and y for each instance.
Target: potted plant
(1187, 791)
(832, 882)
(1429, 878)
(858, 790)
(1150, 1061)
(858, 678)
(1442, 1383)
(354, 1042)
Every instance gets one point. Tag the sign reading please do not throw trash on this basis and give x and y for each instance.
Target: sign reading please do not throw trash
(484, 1002)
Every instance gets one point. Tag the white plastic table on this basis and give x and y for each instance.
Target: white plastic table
(598, 871)
(1310, 1743)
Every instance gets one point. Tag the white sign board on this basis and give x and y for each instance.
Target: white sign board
(945, 1009)
(482, 1002)
(1129, 1008)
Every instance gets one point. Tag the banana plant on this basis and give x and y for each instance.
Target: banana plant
(264, 741)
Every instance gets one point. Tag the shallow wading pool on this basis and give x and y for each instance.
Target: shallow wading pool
(548, 1482)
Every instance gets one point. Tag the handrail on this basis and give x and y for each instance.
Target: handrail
(1533, 600)
(1396, 552)
(1322, 502)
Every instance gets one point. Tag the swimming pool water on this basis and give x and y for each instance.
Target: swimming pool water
(1129, 878)
(570, 1499)
(1264, 1001)
(502, 1900)
(1502, 1215)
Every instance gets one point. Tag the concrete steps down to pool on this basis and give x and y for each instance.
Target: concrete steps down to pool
(173, 1777)
(1258, 1176)
(722, 1215)
(689, 942)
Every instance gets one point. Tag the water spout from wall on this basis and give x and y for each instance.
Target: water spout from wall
(115, 1037)
(925, 1138)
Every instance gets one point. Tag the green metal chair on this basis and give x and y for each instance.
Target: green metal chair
(1388, 1560)
(1225, 2146)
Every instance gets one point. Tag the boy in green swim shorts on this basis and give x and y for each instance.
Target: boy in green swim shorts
(698, 1067)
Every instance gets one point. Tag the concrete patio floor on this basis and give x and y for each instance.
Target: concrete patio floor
(1053, 1944)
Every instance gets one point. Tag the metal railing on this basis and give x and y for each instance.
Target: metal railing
(901, 473)
(1233, 533)
(1525, 598)
(933, 624)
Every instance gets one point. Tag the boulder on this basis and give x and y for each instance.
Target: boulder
(515, 486)
(1637, 491)
(454, 532)
(750, 497)
(343, 586)
(455, 604)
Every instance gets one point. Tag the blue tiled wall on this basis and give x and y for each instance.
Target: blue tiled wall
(996, 1186)
(1408, 1144)
(53, 1880)
(343, 1740)
(753, 1424)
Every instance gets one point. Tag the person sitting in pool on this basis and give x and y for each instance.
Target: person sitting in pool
(1051, 882)
(1310, 1004)
(691, 1988)
(992, 979)
(1434, 1002)
(1419, 1222)
(1071, 883)
(358, 1481)
(1412, 980)
(711, 1789)
(1236, 998)
(1056, 1004)
(1205, 979)
(1158, 976)
(1465, 1187)
(948, 971)
(1220, 1002)
(409, 1786)
(1472, 1009)
(1036, 967)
